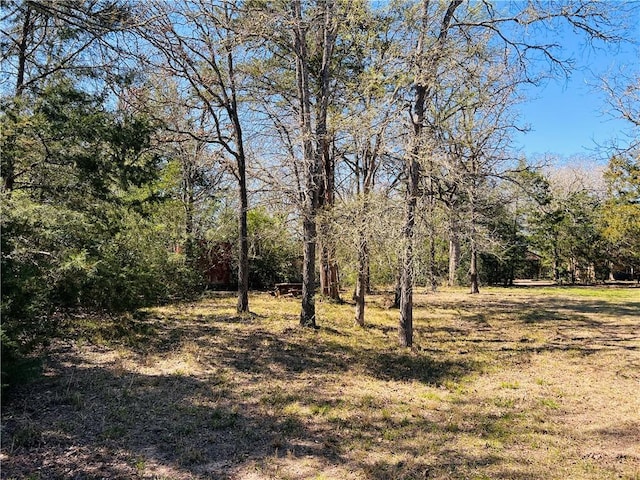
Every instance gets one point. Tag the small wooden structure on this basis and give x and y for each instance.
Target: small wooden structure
(287, 289)
(215, 263)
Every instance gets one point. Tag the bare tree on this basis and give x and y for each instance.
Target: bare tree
(507, 26)
(302, 34)
(198, 43)
(369, 115)
(426, 58)
(623, 96)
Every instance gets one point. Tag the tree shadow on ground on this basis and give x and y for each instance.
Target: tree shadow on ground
(278, 357)
(407, 366)
(252, 404)
(582, 325)
(552, 309)
(104, 423)
(111, 420)
(260, 352)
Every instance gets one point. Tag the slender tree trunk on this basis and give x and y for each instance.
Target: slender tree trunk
(324, 268)
(454, 250)
(308, 313)
(243, 264)
(405, 328)
(473, 268)
(334, 279)
(397, 290)
(367, 277)
(329, 278)
(611, 275)
(412, 165)
(361, 280)
(412, 178)
(241, 163)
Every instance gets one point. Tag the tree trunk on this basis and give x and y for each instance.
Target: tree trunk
(324, 268)
(361, 280)
(412, 179)
(454, 251)
(611, 275)
(405, 327)
(243, 264)
(329, 279)
(334, 291)
(241, 163)
(311, 166)
(412, 165)
(308, 313)
(367, 276)
(397, 291)
(473, 269)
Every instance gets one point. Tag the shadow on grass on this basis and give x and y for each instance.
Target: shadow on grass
(406, 366)
(146, 332)
(102, 423)
(267, 354)
(93, 421)
(586, 311)
(626, 434)
(106, 423)
(97, 421)
(254, 350)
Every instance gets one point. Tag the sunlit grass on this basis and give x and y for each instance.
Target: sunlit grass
(511, 383)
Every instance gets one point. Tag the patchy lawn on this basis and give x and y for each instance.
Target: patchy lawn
(528, 383)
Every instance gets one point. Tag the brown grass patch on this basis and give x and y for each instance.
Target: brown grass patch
(508, 384)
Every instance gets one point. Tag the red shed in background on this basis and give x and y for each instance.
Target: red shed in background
(216, 264)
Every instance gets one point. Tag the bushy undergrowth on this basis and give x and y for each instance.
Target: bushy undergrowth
(55, 259)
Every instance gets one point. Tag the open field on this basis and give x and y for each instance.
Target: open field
(524, 383)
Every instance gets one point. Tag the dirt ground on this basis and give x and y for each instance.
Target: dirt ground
(521, 383)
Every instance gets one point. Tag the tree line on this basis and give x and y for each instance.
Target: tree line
(334, 142)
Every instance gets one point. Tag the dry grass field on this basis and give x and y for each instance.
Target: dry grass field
(523, 383)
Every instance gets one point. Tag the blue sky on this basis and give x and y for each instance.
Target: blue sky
(568, 117)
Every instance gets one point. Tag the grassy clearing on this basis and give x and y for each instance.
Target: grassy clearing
(509, 384)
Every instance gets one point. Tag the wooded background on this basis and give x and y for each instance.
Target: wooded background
(356, 144)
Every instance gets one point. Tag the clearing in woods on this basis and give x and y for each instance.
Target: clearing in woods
(527, 383)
